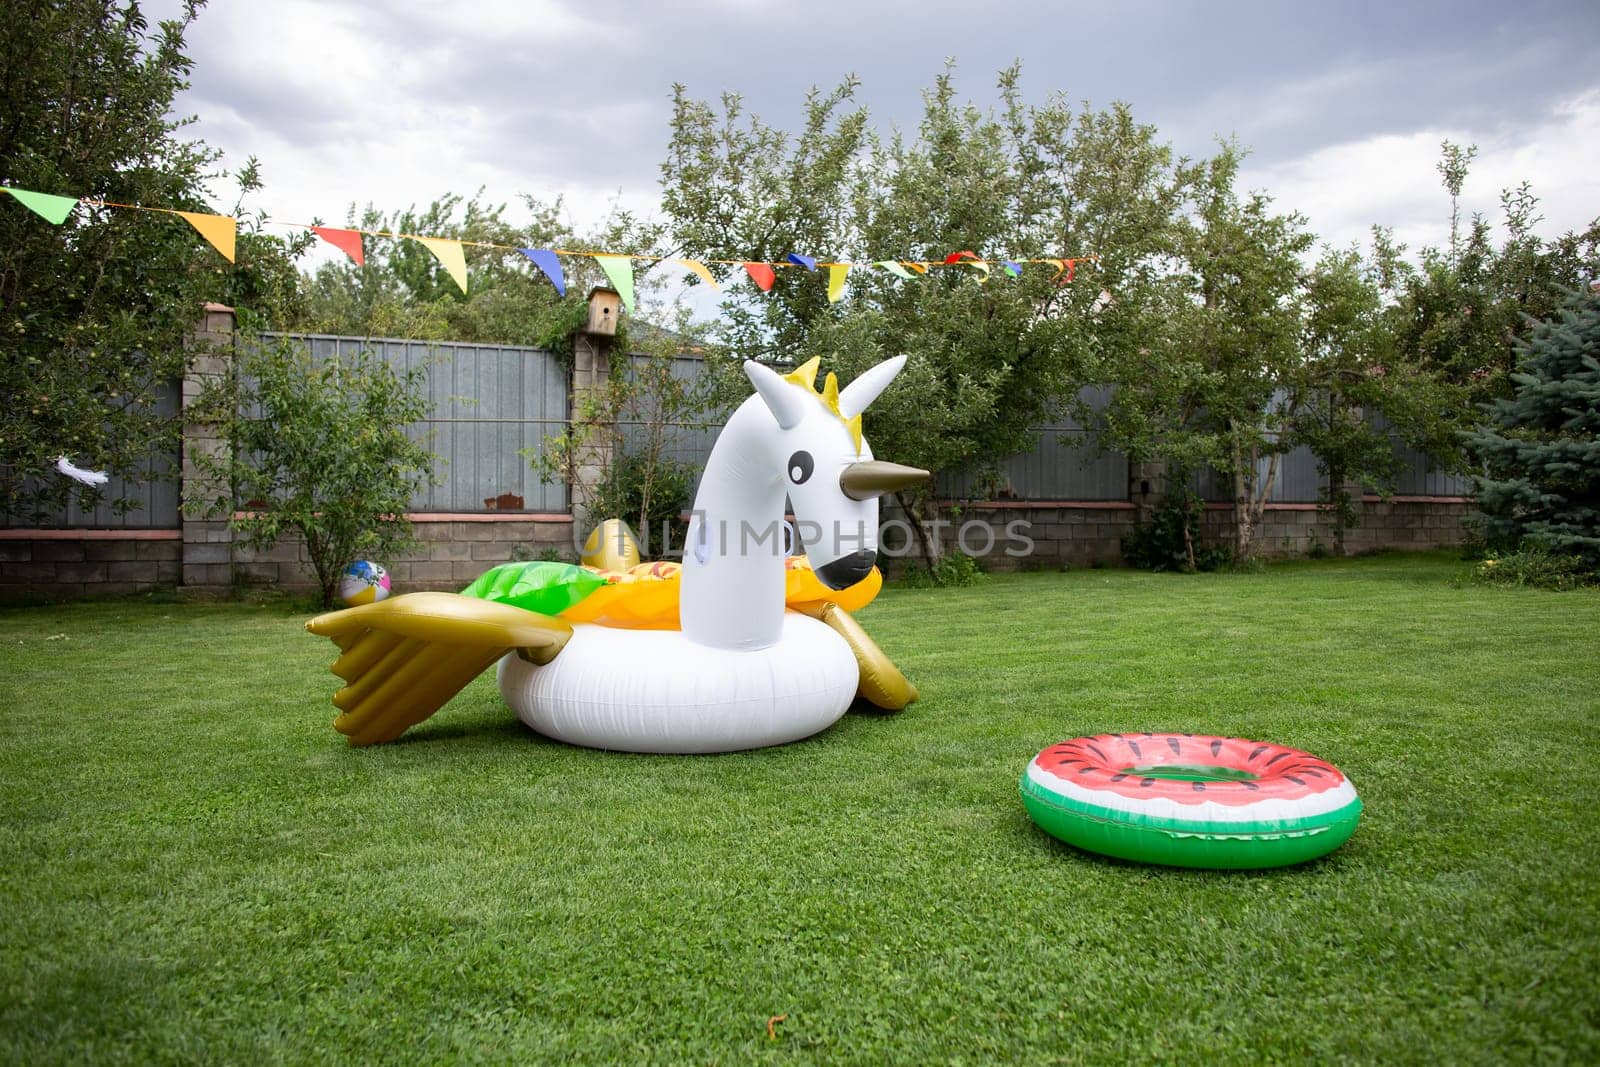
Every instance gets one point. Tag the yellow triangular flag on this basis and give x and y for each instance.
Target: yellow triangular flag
(837, 273)
(450, 257)
(220, 230)
(700, 272)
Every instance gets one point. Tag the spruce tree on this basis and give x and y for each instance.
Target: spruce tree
(1541, 456)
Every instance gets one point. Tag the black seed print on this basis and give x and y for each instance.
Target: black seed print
(1278, 757)
(1314, 774)
(1250, 785)
(1147, 782)
(1118, 777)
(1259, 749)
(1292, 778)
(1172, 743)
(1136, 753)
(1085, 770)
(1216, 746)
(1199, 787)
(1097, 752)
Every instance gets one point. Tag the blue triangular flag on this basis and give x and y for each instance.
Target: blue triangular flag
(546, 261)
(1013, 269)
(808, 262)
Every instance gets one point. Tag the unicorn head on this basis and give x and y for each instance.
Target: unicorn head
(787, 440)
(827, 469)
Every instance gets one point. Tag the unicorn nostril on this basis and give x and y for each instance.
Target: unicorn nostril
(847, 570)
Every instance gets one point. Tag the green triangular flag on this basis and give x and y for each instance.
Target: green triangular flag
(894, 268)
(54, 208)
(619, 269)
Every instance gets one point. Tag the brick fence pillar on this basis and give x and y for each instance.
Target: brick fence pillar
(1147, 484)
(591, 371)
(207, 543)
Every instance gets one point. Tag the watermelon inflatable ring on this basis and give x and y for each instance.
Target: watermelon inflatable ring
(1190, 801)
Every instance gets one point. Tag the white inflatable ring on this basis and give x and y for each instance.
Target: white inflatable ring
(655, 691)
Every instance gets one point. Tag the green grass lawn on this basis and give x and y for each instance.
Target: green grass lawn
(195, 867)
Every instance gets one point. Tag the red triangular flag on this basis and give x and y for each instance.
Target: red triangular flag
(956, 257)
(346, 241)
(761, 274)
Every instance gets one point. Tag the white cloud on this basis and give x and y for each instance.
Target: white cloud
(1391, 180)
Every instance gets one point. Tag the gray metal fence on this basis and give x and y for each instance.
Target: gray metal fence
(157, 497)
(489, 402)
(1067, 463)
(684, 440)
(486, 402)
(1298, 480)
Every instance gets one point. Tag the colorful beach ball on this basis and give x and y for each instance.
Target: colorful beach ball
(363, 582)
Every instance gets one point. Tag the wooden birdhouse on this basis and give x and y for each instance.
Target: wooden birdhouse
(605, 305)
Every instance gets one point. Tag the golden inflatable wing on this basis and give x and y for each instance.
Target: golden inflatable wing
(402, 659)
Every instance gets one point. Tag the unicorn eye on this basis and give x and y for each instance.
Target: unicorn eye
(800, 467)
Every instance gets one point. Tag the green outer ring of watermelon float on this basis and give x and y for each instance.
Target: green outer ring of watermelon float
(1175, 842)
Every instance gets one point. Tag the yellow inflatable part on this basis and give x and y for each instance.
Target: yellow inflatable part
(402, 659)
(610, 547)
(882, 683)
(804, 590)
(645, 596)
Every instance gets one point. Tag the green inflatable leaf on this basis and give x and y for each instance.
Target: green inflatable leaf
(539, 585)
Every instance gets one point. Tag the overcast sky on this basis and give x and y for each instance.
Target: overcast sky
(1342, 104)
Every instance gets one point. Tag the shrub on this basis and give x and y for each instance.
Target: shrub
(650, 497)
(1535, 568)
(1168, 542)
(317, 450)
(952, 569)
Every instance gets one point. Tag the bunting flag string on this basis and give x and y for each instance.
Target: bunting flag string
(221, 232)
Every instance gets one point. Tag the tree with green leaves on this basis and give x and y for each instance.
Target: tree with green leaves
(96, 312)
(618, 450)
(990, 355)
(1462, 311)
(322, 451)
(1350, 374)
(1205, 376)
(1541, 452)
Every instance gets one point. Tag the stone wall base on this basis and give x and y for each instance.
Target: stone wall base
(453, 550)
(48, 566)
(1021, 535)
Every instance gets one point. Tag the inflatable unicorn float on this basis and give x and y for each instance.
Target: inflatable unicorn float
(750, 666)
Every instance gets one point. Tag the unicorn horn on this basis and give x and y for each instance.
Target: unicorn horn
(872, 478)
